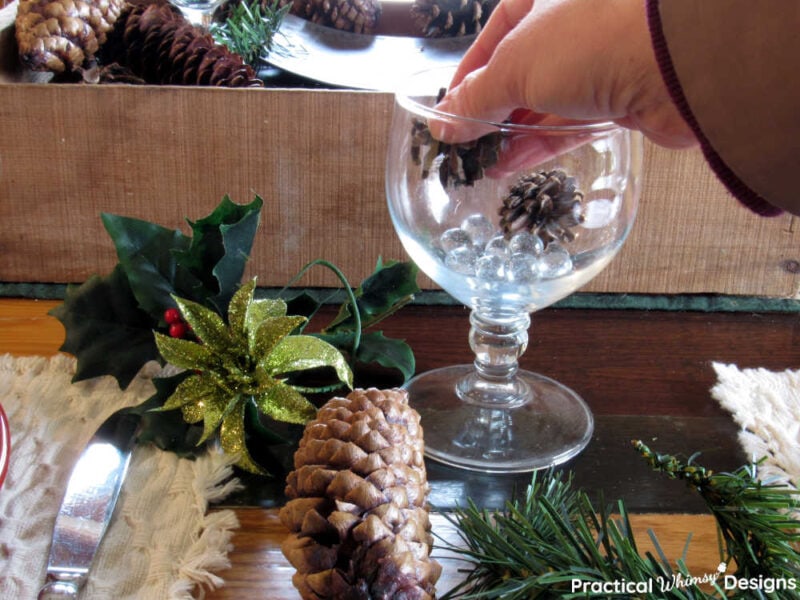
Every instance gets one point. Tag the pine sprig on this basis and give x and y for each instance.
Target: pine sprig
(757, 520)
(541, 545)
(538, 546)
(250, 28)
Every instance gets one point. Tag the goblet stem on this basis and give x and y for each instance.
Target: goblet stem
(494, 417)
(497, 344)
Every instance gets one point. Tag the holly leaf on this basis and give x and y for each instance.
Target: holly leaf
(206, 267)
(106, 330)
(390, 287)
(301, 302)
(377, 348)
(387, 352)
(146, 254)
(272, 451)
(220, 247)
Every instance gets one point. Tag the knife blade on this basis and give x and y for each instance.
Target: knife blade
(88, 504)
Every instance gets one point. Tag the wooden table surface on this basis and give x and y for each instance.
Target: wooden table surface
(643, 373)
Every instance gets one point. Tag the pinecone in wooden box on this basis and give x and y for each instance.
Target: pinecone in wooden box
(449, 18)
(157, 44)
(62, 35)
(358, 511)
(358, 16)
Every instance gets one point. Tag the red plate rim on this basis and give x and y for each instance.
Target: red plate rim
(5, 445)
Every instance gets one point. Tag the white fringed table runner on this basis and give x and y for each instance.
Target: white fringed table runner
(766, 405)
(162, 543)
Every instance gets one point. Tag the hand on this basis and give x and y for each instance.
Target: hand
(565, 60)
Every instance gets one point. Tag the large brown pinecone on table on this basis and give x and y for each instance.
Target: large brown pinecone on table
(157, 44)
(358, 16)
(358, 511)
(449, 18)
(62, 35)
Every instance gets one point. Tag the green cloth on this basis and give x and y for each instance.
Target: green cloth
(579, 300)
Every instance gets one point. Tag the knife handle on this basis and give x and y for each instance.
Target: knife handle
(54, 589)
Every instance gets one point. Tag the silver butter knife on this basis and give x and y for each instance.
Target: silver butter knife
(88, 504)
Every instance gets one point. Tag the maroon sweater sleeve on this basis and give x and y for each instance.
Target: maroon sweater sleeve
(733, 152)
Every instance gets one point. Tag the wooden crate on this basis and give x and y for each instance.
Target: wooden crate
(69, 152)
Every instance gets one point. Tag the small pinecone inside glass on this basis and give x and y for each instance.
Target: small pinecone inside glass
(461, 164)
(450, 18)
(546, 203)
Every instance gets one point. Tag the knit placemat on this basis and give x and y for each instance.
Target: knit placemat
(163, 542)
(766, 405)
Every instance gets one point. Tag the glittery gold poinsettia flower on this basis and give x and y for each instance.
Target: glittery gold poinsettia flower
(244, 360)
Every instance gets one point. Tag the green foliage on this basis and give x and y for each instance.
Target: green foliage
(110, 321)
(386, 290)
(756, 519)
(250, 28)
(102, 318)
(391, 286)
(114, 316)
(220, 248)
(538, 545)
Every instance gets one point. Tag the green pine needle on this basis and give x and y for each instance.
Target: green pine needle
(250, 28)
(538, 546)
(757, 520)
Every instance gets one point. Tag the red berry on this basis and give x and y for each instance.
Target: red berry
(172, 315)
(178, 330)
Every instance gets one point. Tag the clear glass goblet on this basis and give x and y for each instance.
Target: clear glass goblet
(198, 12)
(507, 224)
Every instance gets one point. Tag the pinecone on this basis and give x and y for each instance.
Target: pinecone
(156, 43)
(546, 203)
(358, 515)
(443, 18)
(62, 35)
(358, 16)
(460, 164)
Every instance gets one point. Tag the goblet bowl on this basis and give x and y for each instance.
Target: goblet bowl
(508, 219)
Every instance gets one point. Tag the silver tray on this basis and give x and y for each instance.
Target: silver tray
(353, 60)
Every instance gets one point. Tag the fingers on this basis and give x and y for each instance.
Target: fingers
(479, 96)
(484, 87)
(523, 152)
(506, 15)
(581, 59)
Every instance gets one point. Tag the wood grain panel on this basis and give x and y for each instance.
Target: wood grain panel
(260, 570)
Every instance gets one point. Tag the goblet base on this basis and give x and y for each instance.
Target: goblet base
(550, 426)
